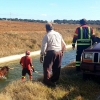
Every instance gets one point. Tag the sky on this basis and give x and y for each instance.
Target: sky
(50, 9)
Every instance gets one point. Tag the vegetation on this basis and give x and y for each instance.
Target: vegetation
(16, 37)
(64, 21)
(71, 87)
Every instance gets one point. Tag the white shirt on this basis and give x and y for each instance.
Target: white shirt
(52, 41)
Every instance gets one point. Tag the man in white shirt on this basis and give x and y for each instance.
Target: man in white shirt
(52, 49)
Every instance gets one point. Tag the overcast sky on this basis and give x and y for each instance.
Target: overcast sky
(50, 9)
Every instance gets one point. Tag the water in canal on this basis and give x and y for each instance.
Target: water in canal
(16, 72)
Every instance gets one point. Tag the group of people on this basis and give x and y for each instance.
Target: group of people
(52, 49)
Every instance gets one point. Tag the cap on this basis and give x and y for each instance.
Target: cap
(83, 21)
(48, 26)
(27, 52)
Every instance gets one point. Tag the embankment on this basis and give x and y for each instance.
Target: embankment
(16, 57)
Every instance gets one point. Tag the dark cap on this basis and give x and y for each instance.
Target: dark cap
(83, 21)
(48, 26)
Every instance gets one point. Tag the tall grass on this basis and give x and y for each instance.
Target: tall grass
(71, 87)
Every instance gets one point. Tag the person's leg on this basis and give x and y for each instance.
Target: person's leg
(56, 74)
(30, 74)
(47, 66)
(23, 74)
(78, 55)
(77, 61)
(56, 67)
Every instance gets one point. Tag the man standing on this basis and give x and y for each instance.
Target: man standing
(27, 66)
(84, 36)
(52, 50)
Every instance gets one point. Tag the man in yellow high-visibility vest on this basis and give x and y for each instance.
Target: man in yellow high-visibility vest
(84, 36)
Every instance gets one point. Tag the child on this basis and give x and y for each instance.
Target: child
(26, 62)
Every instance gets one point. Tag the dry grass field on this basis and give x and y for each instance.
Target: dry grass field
(17, 37)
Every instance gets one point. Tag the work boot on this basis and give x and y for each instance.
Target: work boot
(23, 79)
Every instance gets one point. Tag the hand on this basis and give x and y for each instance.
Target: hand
(41, 59)
(73, 47)
(32, 68)
(21, 64)
(62, 53)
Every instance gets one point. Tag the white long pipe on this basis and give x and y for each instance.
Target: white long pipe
(16, 57)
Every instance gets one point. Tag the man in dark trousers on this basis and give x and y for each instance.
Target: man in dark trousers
(52, 50)
(84, 36)
(26, 62)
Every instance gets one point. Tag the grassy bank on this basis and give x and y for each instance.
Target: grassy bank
(71, 87)
(17, 37)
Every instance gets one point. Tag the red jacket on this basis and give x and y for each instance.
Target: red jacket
(26, 62)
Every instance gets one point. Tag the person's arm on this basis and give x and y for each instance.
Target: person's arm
(32, 66)
(21, 62)
(93, 37)
(74, 38)
(63, 44)
(41, 58)
(43, 48)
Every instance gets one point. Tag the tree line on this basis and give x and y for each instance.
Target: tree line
(97, 22)
(64, 21)
(25, 20)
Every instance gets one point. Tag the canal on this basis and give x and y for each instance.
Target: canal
(15, 74)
